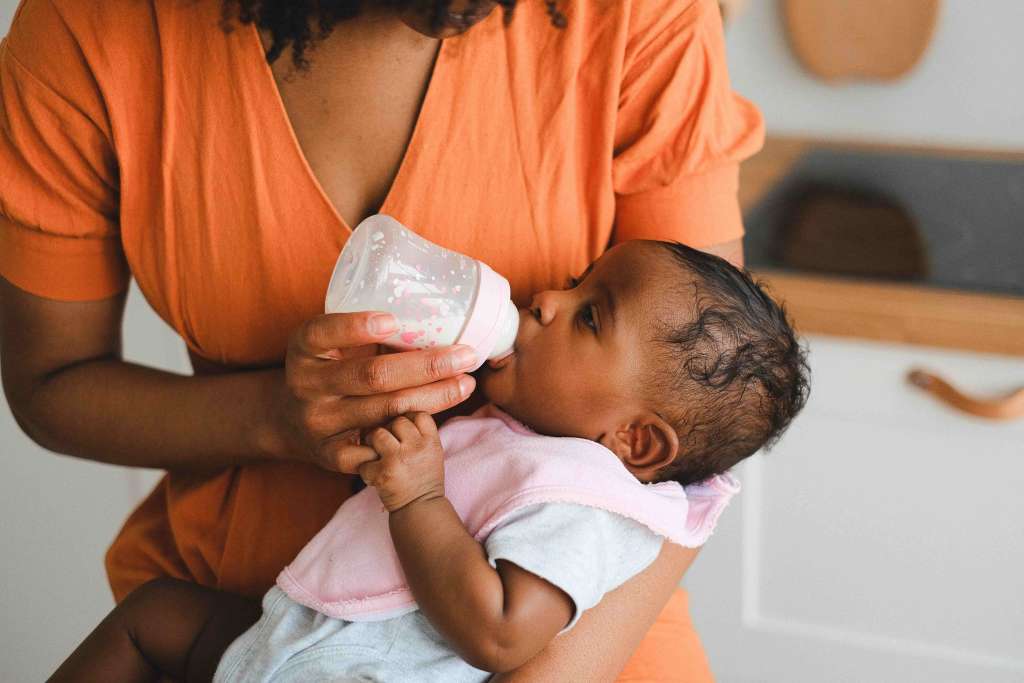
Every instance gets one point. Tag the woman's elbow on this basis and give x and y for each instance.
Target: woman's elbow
(30, 426)
(21, 392)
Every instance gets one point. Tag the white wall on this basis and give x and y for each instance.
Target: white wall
(966, 91)
(6, 12)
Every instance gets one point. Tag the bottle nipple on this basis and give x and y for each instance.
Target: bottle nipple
(508, 329)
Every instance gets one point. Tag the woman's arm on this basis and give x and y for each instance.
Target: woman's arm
(603, 640)
(496, 619)
(71, 392)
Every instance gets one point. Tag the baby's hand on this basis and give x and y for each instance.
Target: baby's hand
(410, 464)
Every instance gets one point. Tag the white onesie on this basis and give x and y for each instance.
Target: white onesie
(584, 551)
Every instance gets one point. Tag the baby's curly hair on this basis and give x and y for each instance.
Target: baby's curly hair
(738, 374)
(289, 21)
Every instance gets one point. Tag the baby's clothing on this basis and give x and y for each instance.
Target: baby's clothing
(583, 550)
(563, 508)
(493, 465)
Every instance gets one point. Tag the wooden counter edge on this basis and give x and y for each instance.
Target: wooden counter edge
(906, 314)
(900, 313)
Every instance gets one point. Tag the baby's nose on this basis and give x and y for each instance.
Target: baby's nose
(543, 307)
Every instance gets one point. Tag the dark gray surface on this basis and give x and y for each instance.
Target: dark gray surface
(970, 213)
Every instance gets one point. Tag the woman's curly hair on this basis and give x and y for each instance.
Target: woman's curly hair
(289, 21)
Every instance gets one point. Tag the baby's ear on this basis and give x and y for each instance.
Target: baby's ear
(645, 445)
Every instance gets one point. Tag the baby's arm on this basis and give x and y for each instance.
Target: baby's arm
(495, 619)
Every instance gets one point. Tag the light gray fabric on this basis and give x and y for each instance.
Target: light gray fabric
(584, 551)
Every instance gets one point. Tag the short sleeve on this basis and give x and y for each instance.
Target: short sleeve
(681, 131)
(59, 235)
(583, 550)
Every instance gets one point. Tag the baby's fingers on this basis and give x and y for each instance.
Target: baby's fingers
(383, 441)
(350, 457)
(370, 471)
(425, 423)
(403, 428)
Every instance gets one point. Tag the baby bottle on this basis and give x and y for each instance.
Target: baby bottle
(440, 297)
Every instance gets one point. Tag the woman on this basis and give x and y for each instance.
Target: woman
(222, 163)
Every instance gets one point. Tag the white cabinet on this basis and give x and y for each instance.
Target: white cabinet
(882, 539)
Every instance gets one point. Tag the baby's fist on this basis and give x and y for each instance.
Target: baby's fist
(411, 461)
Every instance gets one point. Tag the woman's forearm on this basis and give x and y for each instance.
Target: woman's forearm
(71, 392)
(601, 643)
(122, 413)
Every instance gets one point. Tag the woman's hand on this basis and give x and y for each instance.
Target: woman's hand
(336, 383)
(405, 461)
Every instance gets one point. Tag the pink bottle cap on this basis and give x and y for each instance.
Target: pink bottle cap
(484, 325)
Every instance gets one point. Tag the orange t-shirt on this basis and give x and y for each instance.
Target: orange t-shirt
(138, 138)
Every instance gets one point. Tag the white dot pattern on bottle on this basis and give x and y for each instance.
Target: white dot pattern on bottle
(427, 287)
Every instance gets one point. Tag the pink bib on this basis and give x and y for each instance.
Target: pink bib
(494, 466)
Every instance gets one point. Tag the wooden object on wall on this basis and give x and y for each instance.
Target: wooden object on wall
(869, 39)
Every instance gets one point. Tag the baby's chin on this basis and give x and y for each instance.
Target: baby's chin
(494, 386)
(501, 388)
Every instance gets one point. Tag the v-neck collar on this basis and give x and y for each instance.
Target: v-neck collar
(437, 74)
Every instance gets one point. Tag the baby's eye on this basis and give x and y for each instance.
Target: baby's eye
(587, 316)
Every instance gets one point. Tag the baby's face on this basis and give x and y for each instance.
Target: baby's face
(580, 352)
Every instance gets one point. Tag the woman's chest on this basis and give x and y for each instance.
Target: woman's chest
(353, 112)
(239, 195)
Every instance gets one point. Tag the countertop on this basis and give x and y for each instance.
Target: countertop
(947, 310)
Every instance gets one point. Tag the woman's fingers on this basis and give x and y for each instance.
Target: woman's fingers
(381, 374)
(432, 398)
(336, 380)
(325, 335)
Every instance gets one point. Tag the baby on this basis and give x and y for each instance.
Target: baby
(633, 392)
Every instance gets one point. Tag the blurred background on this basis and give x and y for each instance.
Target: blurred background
(883, 539)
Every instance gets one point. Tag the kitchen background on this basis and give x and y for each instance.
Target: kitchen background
(882, 540)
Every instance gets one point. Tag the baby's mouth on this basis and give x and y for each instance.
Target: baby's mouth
(499, 363)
